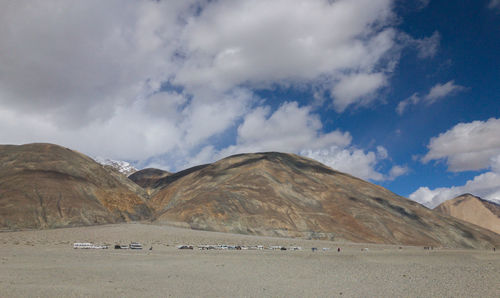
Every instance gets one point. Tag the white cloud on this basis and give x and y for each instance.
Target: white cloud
(495, 163)
(357, 88)
(142, 80)
(427, 47)
(207, 118)
(70, 57)
(442, 90)
(403, 105)
(288, 129)
(382, 152)
(467, 146)
(356, 162)
(486, 186)
(259, 43)
(437, 92)
(397, 171)
(352, 161)
(132, 132)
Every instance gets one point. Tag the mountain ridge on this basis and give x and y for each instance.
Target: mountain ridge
(473, 209)
(269, 194)
(45, 186)
(278, 194)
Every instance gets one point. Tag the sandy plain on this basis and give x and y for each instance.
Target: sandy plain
(44, 264)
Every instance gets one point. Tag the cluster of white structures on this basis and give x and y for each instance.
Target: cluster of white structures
(238, 247)
(88, 245)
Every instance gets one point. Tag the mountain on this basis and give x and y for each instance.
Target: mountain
(473, 209)
(118, 165)
(48, 186)
(148, 178)
(280, 194)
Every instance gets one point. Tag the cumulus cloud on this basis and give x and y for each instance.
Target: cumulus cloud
(358, 88)
(397, 171)
(71, 57)
(290, 128)
(437, 92)
(465, 147)
(261, 41)
(142, 80)
(132, 132)
(352, 161)
(356, 162)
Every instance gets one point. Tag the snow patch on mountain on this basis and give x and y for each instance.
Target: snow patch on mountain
(121, 166)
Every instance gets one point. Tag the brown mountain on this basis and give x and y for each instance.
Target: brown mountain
(46, 186)
(474, 210)
(287, 195)
(148, 178)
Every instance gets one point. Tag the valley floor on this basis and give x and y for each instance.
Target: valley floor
(44, 264)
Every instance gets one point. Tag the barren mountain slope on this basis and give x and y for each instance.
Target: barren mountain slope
(46, 186)
(148, 178)
(288, 195)
(474, 210)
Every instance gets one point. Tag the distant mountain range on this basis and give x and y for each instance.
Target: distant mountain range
(276, 194)
(473, 209)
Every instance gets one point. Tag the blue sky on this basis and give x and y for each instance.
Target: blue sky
(402, 93)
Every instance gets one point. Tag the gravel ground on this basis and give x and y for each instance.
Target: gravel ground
(44, 264)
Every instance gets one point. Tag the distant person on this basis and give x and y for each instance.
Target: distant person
(338, 249)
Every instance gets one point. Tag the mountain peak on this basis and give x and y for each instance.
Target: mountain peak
(123, 167)
(280, 194)
(473, 209)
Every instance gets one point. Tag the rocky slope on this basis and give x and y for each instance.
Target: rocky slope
(48, 186)
(148, 178)
(474, 210)
(287, 195)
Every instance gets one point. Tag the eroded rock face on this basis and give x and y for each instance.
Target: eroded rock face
(473, 209)
(48, 186)
(288, 195)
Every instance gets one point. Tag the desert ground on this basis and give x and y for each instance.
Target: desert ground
(44, 264)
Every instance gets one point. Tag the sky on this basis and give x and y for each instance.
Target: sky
(404, 94)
